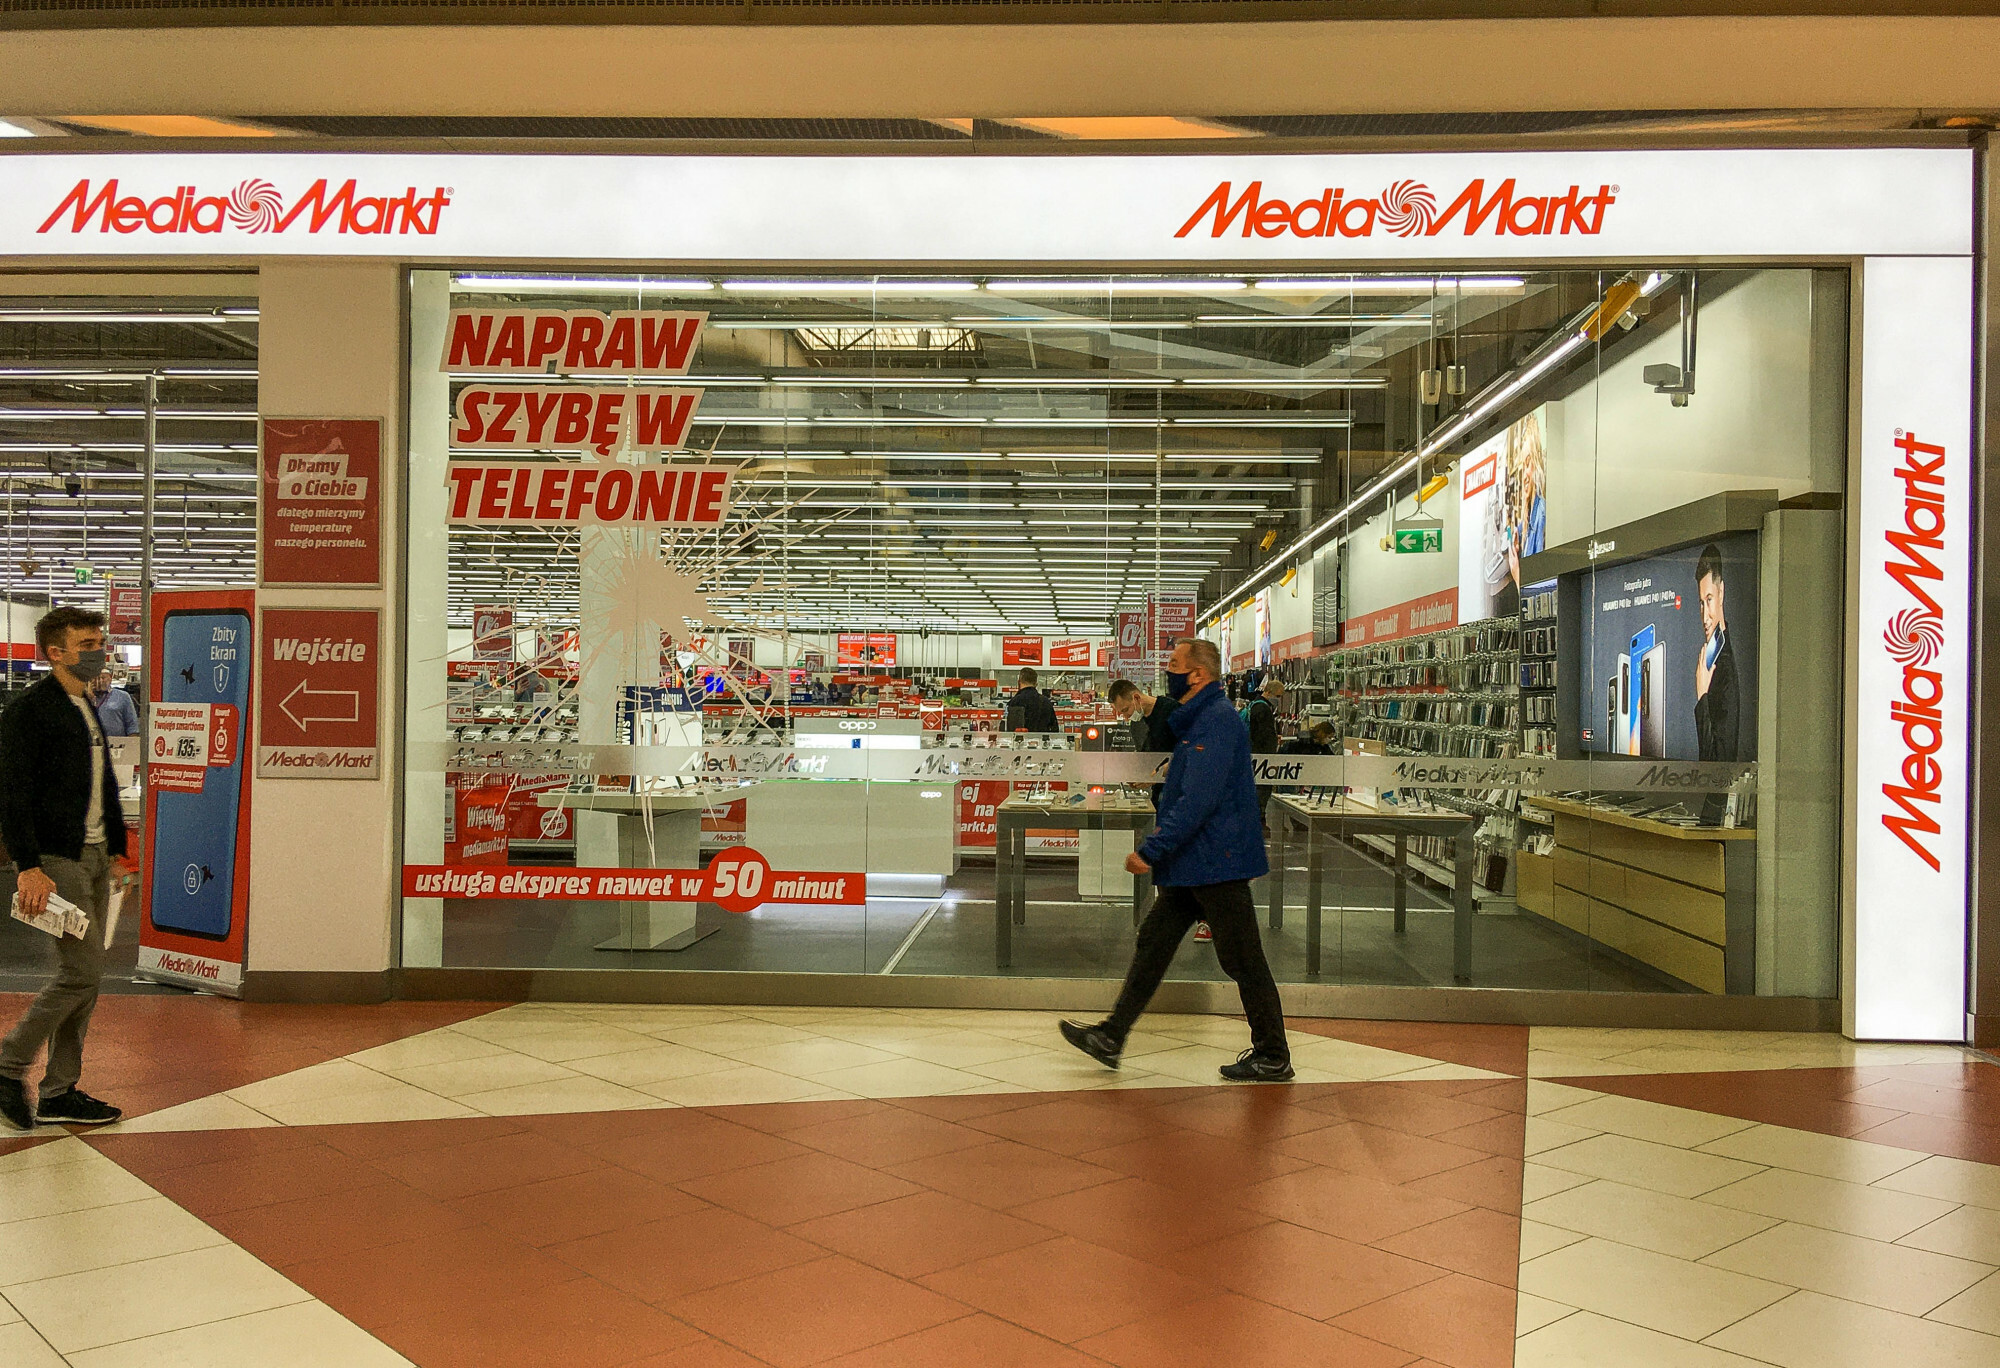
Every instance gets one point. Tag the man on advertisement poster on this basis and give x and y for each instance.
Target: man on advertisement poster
(65, 834)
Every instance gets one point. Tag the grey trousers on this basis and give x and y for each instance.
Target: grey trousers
(60, 1014)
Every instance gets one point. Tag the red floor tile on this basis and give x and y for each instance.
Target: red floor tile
(263, 1179)
(1349, 1205)
(578, 1324)
(1066, 1289)
(964, 1108)
(1458, 1321)
(813, 1312)
(488, 1275)
(1258, 1116)
(798, 1189)
(1142, 1219)
(1192, 1159)
(1067, 1126)
(924, 1233)
(583, 1129)
(1491, 1183)
(703, 1353)
(695, 1145)
(146, 1155)
(577, 1205)
(780, 1118)
(384, 1139)
(1003, 1174)
(287, 1233)
(1930, 1099)
(1233, 1329)
(1938, 1135)
(975, 1341)
(1504, 1136)
(1393, 1156)
(1399, 1106)
(885, 1136)
(1306, 1271)
(1503, 1049)
(1479, 1243)
(662, 1260)
(503, 1161)
(1803, 1099)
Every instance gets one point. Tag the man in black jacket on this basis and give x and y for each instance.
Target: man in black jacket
(1030, 709)
(61, 822)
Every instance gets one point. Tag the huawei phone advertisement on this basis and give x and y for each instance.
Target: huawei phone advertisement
(195, 877)
(1669, 668)
(1502, 518)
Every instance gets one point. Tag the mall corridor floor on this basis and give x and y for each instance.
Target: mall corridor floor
(461, 1185)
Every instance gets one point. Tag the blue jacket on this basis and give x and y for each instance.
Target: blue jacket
(1210, 829)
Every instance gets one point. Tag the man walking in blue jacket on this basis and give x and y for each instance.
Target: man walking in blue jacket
(1207, 847)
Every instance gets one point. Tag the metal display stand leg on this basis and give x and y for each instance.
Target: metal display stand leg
(1281, 826)
(1461, 913)
(1003, 896)
(1402, 883)
(1315, 872)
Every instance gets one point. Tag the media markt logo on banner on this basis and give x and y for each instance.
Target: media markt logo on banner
(254, 207)
(1406, 209)
(1915, 638)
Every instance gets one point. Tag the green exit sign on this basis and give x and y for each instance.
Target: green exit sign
(1415, 540)
(85, 572)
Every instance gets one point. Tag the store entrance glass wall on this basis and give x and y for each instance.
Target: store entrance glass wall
(723, 589)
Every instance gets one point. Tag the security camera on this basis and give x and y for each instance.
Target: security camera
(73, 484)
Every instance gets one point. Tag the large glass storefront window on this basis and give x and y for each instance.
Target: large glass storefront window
(1529, 553)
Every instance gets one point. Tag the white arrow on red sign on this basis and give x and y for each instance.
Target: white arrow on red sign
(305, 699)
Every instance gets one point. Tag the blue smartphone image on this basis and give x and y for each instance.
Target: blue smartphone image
(1635, 655)
(1714, 652)
(207, 660)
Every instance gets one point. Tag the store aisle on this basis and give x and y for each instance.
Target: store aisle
(724, 1187)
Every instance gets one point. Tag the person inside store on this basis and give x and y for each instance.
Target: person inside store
(1207, 847)
(116, 712)
(1316, 741)
(65, 835)
(1717, 701)
(1030, 710)
(1262, 717)
(1145, 714)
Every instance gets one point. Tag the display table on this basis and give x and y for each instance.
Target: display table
(1343, 817)
(1679, 899)
(1098, 812)
(676, 844)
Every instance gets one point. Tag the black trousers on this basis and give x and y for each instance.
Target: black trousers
(1231, 915)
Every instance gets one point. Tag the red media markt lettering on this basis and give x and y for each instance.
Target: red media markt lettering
(1915, 638)
(252, 206)
(1404, 209)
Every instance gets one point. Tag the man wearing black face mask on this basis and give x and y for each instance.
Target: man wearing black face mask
(60, 819)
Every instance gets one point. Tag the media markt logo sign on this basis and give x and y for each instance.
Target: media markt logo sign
(254, 206)
(1406, 209)
(1914, 638)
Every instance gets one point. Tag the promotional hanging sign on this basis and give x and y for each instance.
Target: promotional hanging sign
(319, 502)
(549, 493)
(865, 648)
(125, 613)
(1071, 651)
(319, 697)
(1020, 650)
(493, 634)
(195, 869)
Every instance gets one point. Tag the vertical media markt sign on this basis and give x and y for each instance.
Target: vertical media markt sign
(320, 502)
(318, 698)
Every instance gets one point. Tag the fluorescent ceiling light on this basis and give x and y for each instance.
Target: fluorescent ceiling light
(850, 287)
(1131, 285)
(1311, 321)
(1385, 284)
(508, 284)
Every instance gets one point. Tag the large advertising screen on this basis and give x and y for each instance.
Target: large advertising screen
(1502, 518)
(1669, 668)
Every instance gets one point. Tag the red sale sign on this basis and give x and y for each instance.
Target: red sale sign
(737, 880)
(1020, 650)
(1071, 651)
(320, 502)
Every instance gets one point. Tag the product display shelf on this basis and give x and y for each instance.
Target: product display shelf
(1539, 645)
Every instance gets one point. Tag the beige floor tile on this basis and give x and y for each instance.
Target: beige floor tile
(53, 1189)
(305, 1335)
(511, 1023)
(1544, 1096)
(1829, 1156)
(1644, 1120)
(1544, 1134)
(109, 1305)
(1063, 1071)
(583, 1040)
(661, 1062)
(1872, 1053)
(1673, 1296)
(99, 1237)
(1554, 1064)
(1852, 1208)
(1953, 1180)
(1808, 1330)
(1893, 1277)
(334, 1078)
(1443, 1071)
(1129, 1077)
(898, 1078)
(734, 1035)
(1136, 1044)
(8, 1315)
(1539, 1181)
(960, 1049)
(1538, 1239)
(1597, 1042)
(1641, 1163)
(563, 1095)
(1694, 1059)
(1226, 1034)
(733, 1087)
(68, 1150)
(465, 1076)
(1532, 1313)
(805, 1058)
(220, 1112)
(995, 1019)
(1976, 1308)
(432, 1047)
(1678, 1226)
(1968, 1232)
(400, 1102)
(649, 1018)
(1190, 1064)
(889, 1034)
(1343, 1057)
(1586, 1340)
(22, 1347)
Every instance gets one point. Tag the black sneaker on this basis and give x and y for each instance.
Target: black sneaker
(14, 1104)
(1251, 1067)
(77, 1108)
(1094, 1041)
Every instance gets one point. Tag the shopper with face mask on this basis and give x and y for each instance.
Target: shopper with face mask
(60, 819)
(1207, 847)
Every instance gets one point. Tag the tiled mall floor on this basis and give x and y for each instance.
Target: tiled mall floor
(660, 1187)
